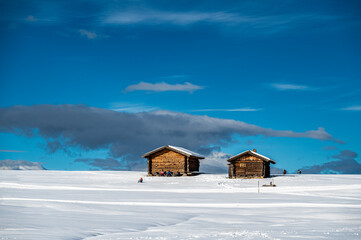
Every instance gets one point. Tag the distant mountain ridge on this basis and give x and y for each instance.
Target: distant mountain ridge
(9, 164)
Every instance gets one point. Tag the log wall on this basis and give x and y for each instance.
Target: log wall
(193, 165)
(248, 166)
(267, 169)
(166, 160)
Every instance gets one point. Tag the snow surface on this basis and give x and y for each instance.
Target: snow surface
(112, 205)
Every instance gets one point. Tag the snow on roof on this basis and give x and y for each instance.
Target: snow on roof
(186, 151)
(180, 150)
(267, 159)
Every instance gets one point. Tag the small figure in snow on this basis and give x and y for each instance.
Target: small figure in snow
(140, 180)
(284, 171)
(299, 171)
(162, 173)
(169, 173)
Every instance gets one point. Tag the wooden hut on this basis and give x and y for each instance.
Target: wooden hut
(249, 164)
(178, 160)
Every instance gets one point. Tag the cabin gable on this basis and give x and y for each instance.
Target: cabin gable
(249, 165)
(166, 159)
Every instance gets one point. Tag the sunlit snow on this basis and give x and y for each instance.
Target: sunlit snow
(113, 205)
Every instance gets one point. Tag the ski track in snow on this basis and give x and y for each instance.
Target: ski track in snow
(112, 205)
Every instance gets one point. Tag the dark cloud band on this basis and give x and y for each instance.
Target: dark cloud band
(128, 135)
(344, 163)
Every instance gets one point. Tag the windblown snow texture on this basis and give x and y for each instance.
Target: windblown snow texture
(113, 205)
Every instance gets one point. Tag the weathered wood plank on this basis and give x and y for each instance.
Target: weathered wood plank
(248, 166)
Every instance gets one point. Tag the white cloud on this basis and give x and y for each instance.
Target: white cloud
(131, 107)
(162, 87)
(216, 162)
(287, 86)
(352, 108)
(88, 34)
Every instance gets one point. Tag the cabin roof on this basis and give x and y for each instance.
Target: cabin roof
(180, 150)
(267, 159)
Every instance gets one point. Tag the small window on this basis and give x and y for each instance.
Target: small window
(242, 165)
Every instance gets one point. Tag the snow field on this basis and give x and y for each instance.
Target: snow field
(112, 205)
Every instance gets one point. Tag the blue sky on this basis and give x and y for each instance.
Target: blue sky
(282, 66)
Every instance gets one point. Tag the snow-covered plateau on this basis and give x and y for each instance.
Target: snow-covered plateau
(113, 205)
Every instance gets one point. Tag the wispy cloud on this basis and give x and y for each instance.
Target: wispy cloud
(352, 108)
(289, 86)
(175, 18)
(88, 34)
(264, 22)
(31, 18)
(12, 151)
(228, 110)
(163, 87)
(131, 107)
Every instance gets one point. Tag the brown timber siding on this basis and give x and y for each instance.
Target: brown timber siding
(267, 169)
(193, 165)
(248, 166)
(166, 160)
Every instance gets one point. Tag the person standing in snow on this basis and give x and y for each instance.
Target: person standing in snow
(140, 180)
(284, 171)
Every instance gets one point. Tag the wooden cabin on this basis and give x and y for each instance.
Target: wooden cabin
(249, 164)
(178, 160)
